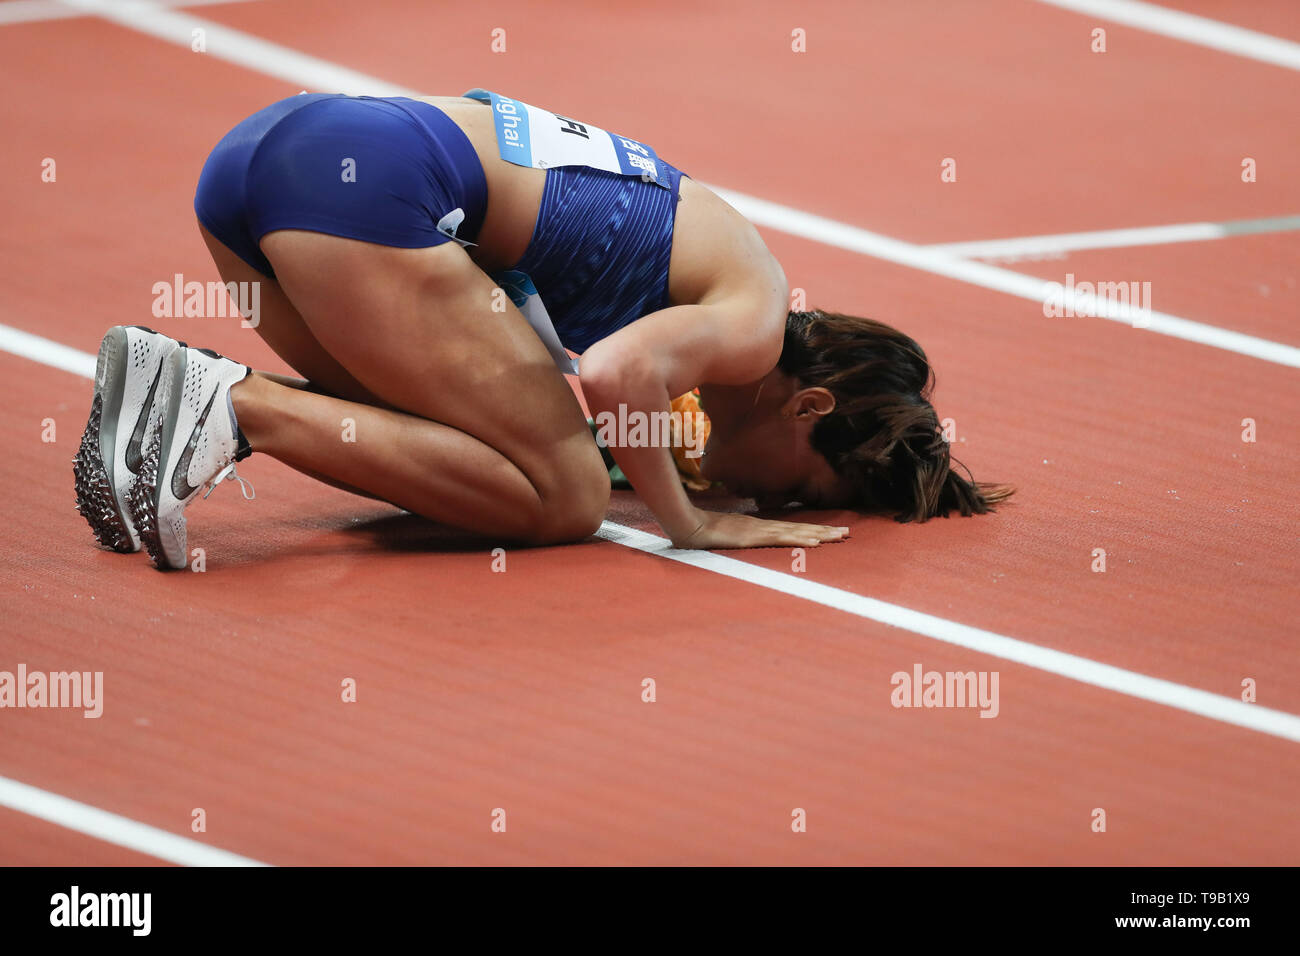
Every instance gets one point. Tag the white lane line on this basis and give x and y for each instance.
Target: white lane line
(1203, 703)
(1228, 710)
(1186, 26)
(33, 11)
(115, 829)
(1114, 238)
(843, 236)
(242, 49)
(272, 59)
(47, 352)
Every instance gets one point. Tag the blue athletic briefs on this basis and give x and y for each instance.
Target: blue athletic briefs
(383, 170)
(388, 169)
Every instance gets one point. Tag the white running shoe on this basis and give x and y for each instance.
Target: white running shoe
(192, 441)
(109, 457)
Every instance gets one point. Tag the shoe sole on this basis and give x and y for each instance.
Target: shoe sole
(95, 498)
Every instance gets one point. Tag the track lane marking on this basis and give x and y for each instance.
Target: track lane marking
(1115, 238)
(35, 11)
(235, 46)
(1228, 710)
(47, 352)
(113, 828)
(1202, 31)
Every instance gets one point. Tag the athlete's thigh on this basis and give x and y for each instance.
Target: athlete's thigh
(282, 328)
(428, 331)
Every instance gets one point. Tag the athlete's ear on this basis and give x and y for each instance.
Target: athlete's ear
(809, 404)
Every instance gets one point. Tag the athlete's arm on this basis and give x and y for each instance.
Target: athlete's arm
(728, 340)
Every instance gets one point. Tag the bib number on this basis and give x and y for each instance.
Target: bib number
(529, 136)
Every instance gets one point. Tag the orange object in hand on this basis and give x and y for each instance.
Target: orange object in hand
(690, 431)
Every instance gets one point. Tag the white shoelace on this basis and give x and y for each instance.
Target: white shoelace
(229, 472)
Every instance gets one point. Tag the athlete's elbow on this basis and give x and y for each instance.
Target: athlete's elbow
(608, 371)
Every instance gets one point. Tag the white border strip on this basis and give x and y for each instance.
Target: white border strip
(1130, 683)
(112, 828)
(1115, 238)
(1191, 28)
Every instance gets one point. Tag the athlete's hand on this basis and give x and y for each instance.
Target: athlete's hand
(722, 530)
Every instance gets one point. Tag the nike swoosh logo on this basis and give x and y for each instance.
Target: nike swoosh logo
(181, 486)
(133, 457)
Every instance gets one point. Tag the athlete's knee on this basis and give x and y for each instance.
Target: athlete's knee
(573, 500)
(570, 521)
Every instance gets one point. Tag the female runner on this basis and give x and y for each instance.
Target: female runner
(395, 240)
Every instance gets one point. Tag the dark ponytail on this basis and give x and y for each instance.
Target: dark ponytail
(883, 435)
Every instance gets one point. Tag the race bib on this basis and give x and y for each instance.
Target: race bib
(528, 136)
